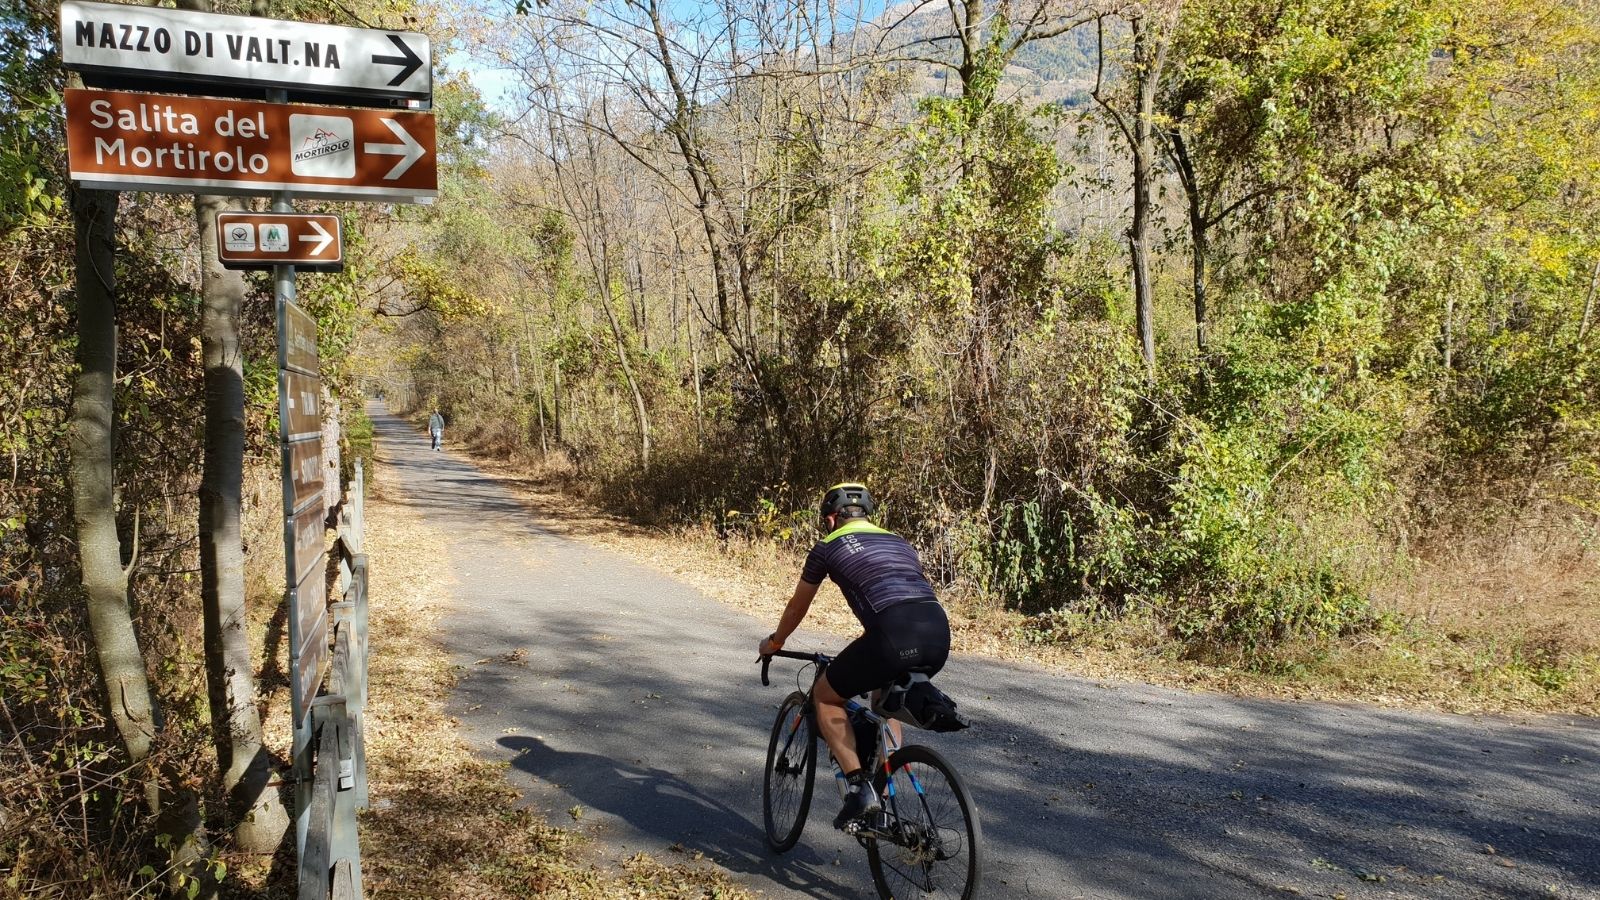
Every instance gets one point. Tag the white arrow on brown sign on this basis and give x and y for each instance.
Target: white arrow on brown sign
(156, 142)
(247, 240)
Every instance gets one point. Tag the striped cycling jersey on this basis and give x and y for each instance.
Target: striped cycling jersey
(874, 569)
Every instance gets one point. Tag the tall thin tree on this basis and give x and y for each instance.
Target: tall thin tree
(130, 697)
(256, 811)
(1151, 26)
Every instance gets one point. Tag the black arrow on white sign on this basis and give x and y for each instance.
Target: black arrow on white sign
(408, 60)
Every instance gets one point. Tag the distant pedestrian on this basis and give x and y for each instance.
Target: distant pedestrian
(436, 429)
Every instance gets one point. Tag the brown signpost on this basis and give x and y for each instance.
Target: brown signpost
(299, 340)
(157, 142)
(248, 240)
(309, 527)
(300, 396)
(311, 599)
(304, 461)
(300, 433)
(311, 659)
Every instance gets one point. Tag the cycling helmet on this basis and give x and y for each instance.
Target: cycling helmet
(841, 499)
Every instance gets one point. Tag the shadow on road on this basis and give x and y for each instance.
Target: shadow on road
(637, 794)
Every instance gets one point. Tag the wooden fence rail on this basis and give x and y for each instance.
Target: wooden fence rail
(330, 859)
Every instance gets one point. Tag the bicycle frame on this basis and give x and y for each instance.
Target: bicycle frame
(886, 746)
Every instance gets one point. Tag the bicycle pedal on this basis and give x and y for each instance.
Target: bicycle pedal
(871, 824)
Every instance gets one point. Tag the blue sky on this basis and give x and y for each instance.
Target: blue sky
(499, 86)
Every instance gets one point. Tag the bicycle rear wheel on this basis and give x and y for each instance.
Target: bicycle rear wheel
(931, 842)
(791, 771)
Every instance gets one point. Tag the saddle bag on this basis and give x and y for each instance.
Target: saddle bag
(914, 700)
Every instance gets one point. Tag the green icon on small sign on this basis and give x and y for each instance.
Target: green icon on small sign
(274, 237)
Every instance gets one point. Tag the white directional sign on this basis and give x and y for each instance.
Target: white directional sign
(207, 48)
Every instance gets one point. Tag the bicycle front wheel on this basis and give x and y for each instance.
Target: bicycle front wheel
(791, 771)
(931, 842)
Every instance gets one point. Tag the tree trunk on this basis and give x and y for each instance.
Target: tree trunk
(642, 309)
(641, 416)
(91, 447)
(1588, 304)
(255, 809)
(1201, 247)
(556, 402)
(1199, 231)
(332, 453)
(699, 399)
(1449, 331)
(696, 166)
(1150, 43)
(1147, 64)
(90, 442)
(544, 442)
(535, 363)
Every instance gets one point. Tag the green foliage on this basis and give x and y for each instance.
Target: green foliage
(30, 193)
(436, 288)
(1400, 215)
(358, 446)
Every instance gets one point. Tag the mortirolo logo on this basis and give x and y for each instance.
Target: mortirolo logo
(322, 146)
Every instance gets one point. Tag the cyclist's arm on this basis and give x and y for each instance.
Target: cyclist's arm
(795, 612)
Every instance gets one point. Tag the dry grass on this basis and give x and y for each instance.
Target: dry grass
(444, 823)
(1494, 637)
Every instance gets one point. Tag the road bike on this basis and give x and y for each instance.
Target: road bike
(924, 840)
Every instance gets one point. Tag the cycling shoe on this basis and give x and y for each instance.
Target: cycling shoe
(857, 803)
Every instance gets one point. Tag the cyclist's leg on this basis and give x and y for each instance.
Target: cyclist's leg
(859, 668)
(835, 725)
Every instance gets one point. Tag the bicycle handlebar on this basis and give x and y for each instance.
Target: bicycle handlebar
(766, 661)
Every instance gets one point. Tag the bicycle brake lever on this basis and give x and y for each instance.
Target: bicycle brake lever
(766, 662)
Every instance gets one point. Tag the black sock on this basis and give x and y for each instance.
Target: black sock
(858, 777)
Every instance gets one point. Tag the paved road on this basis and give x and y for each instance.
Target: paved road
(638, 701)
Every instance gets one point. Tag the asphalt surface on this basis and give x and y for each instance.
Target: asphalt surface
(615, 691)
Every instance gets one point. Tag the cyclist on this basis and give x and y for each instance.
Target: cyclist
(906, 629)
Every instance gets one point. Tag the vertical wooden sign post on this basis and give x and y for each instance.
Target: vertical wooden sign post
(304, 518)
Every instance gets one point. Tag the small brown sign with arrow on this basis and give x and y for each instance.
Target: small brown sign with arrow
(262, 240)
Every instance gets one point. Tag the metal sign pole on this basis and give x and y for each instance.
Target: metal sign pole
(283, 293)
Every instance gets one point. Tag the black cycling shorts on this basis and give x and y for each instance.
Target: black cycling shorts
(909, 637)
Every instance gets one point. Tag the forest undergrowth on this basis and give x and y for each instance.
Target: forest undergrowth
(1482, 630)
